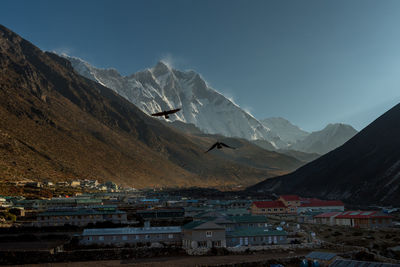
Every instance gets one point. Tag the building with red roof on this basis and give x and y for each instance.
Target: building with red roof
(268, 207)
(290, 200)
(364, 219)
(327, 218)
(359, 219)
(293, 204)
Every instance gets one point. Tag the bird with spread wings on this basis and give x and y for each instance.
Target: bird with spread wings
(218, 145)
(166, 113)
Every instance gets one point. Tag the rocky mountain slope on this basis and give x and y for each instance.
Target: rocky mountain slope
(162, 87)
(329, 138)
(58, 125)
(365, 170)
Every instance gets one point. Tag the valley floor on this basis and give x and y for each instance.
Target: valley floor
(257, 258)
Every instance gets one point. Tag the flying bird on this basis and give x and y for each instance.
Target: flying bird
(218, 145)
(166, 113)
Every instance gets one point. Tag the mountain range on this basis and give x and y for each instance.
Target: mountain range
(364, 170)
(162, 88)
(318, 142)
(58, 125)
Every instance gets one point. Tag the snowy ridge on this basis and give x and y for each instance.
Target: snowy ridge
(287, 131)
(162, 88)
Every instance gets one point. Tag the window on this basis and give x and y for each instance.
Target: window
(147, 237)
(114, 238)
(281, 209)
(275, 209)
(137, 237)
(269, 209)
(202, 244)
(170, 236)
(208, 234)
(262, 209)
(124, 237)
(216, 243)
(101, 238)
(89, 238)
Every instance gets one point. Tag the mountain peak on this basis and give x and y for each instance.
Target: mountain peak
(161, 68)
(339, 126)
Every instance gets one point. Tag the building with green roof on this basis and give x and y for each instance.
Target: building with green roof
(255, 237)
(203, 234)
(236, 222)
(80, 217)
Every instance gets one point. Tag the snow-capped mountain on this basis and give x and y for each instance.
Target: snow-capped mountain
(329, 138)
(162, 88)
(287, 131)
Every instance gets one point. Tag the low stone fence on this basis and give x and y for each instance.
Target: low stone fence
(30, 257)
(289, 261)
(242, 249)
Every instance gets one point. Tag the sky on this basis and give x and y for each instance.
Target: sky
(312, 62)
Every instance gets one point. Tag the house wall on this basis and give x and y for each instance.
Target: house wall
(251, 225)
(79, 220)
(265, 211)
(294, 203)
(321, 208)
(364, 222)
(191, 238)
(255, 240)
(120, 239)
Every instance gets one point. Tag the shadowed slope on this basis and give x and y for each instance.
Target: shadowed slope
(365, 170)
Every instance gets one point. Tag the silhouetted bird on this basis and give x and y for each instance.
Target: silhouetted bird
(219, 145)
(166, 113)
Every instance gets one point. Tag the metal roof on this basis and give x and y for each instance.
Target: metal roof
(269, 204)
(80, 212)
(352, 263)
(203, 225)
(255, 232)
(321, 255)
(359, 214)
(161, 210)
(321, 203)
(248, 219)
(328, 214)
(132, 231)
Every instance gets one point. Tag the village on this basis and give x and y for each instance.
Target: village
(99, 216)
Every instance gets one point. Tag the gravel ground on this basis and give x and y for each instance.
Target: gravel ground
(178, 261)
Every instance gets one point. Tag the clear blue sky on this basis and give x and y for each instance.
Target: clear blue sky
(312, 62)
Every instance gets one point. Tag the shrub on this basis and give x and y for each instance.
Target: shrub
(364, 256)
(357, 234)
(336, 233)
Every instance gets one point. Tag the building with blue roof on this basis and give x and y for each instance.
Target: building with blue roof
(128, 235)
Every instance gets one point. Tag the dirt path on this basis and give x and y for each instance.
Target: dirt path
(178, 261)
